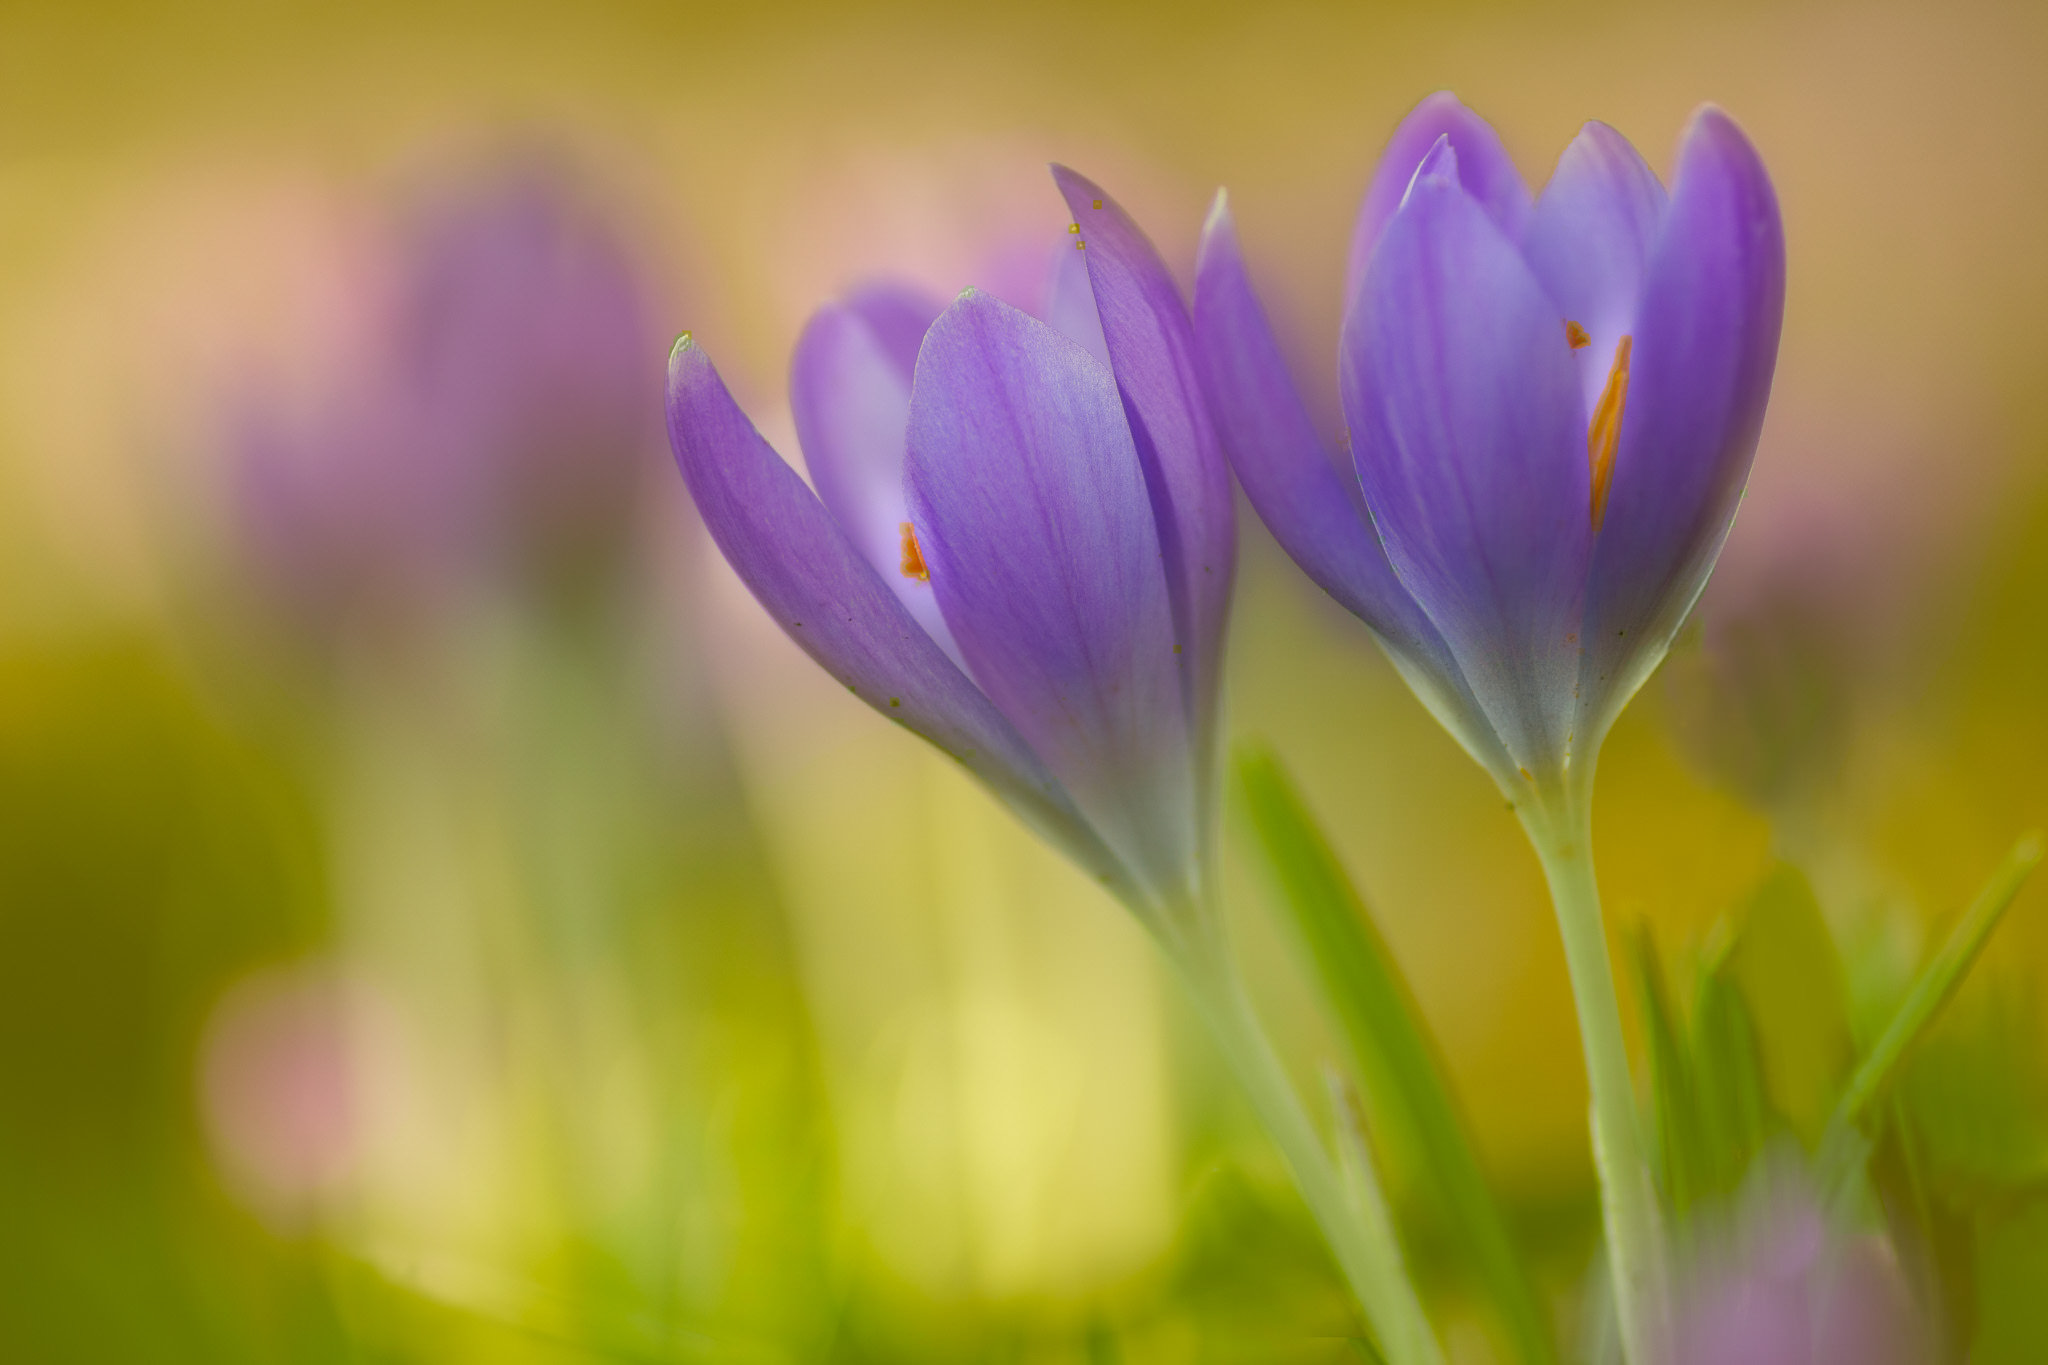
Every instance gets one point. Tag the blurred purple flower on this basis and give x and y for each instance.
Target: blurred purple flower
(500, 429)
(1021, 546)
(1765, 704)
(1830, 602)
(1780, 1286)
(1552, 408)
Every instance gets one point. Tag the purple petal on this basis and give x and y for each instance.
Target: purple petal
(805, 571)
(1589, 241)
(1865, 1314)
(1036, 525)
(1469, 437)
(1152, 351)
(1706, 342)
(1311, 503)
(898, 315)
(849, 392)
(1756, 1320)
(1483, 168)
(1070, 300)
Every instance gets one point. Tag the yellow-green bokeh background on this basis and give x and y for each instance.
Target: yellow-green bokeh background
(1005, 1067)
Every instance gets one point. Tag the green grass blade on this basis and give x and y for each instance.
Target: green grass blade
(1389, 1042)
(1938, 981)
(1731, 1110)
(1671, 1081)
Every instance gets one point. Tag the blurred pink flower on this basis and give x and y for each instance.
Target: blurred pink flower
(281, 1089)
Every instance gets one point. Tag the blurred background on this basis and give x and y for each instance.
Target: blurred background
(442, 919)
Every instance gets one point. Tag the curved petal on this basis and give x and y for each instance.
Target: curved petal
(1308, 501)
(1706, 343)
(788, 551)
(1035, 522)
(849, 393)
(1470, 443)
(1588, 240)
(899, 315)
(1483, 168)
(1070, 301)
(1152, 351)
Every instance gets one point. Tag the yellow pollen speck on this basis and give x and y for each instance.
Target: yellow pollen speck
(1576, 335)
(913, 557)
(1603, 434)
(1073, 227)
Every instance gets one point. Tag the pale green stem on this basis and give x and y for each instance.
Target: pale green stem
(1562, 833)
(1365, 1248)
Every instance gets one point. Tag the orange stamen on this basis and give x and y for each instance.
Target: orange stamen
(1575, 335)
(1603, 434)
(913, 558)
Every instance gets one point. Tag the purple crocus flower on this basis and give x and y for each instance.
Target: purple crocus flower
(498, 430)
(1020, 547)
(1552, 405)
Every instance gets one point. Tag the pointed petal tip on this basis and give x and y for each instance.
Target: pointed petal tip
(1708, 110)
(1074, 185)
(1712, 124)
(1083, 195)
(973, 307)
(685, 354)
(1600, 130)
(1437, 170)
(1484, 170)
(1445, 99)
(972, 300)
(1716, 150)
(1220, 223)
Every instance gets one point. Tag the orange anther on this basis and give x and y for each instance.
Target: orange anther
(913, 557)
(1603, 434)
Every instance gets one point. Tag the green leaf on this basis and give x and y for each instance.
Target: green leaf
(1976, 1096)
(1390, 1044)
(1673, 1105)
(1785, 963)
(1938, 981)
(1729, 1103)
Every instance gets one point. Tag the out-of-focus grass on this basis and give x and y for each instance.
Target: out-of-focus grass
(145, 859)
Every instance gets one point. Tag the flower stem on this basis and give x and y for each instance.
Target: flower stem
(1563, 838)
(1365, 1247)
